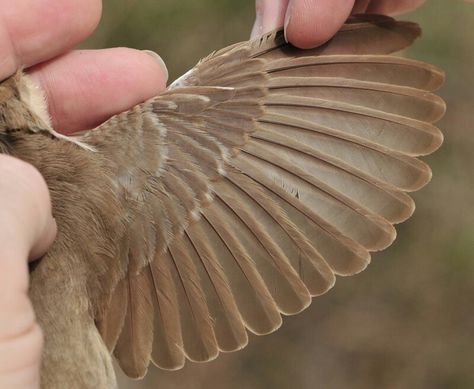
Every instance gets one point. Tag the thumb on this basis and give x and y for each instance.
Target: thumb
(26, 221)
(26, 230)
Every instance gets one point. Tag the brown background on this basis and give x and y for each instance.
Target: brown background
(407, 321)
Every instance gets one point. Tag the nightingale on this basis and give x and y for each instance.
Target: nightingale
(232, 198)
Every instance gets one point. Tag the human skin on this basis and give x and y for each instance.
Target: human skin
(310, 23)
(83, 88)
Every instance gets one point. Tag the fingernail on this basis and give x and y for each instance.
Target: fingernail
(289, 11)
(160, 62)
(257, 28)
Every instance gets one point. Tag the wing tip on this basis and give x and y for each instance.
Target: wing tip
(438, 76)
(406, 211)
(133, 372)
(331, 281)
(438, 110)
(361, 261)
(173, 365)
(424, 177)
(272, 327)
(409, 30)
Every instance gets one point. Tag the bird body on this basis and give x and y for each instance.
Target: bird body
(233, 197)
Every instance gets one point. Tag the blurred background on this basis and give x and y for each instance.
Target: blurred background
(408, 320)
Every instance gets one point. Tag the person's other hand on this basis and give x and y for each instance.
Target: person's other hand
(26, 230)
(310, 23)
(82, 88)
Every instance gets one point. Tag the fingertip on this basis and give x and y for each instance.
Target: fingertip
(312, 23)
(154, 73)
(160, 63)
(85, 15)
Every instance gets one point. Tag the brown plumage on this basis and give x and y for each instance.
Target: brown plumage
(232, 198)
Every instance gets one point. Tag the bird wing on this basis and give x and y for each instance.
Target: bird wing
(255, 179)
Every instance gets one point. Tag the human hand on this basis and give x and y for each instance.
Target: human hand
(85, 87)
(26, 230)
(310, 23)
(82, 88)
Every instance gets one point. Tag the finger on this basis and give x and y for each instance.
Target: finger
(32, 31)
(393, 7)
(26, 223)
(84, 88)
(310, 23)
(27, 229)
(270, 14)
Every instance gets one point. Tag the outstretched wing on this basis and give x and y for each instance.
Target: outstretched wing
(255, 179)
